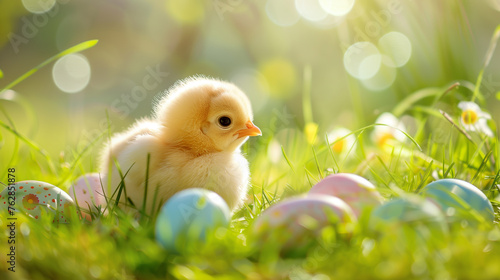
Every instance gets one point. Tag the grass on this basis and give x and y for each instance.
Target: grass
(122, 246)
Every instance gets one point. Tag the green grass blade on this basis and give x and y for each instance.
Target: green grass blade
(146, 184)
(1, 73)
(408, 102)
(287, 160)
(78, 48)
(489, 55)
(30, 144)
(306, 95)
(330, 150)
(481, 167)
(78, 157)
(317, 164)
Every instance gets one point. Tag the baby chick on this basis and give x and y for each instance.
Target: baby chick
(193, 140)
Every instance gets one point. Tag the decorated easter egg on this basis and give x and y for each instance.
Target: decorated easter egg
(296, 223)
(86, 191)
(355, 190)
(458, 198)
(188, 216)
(409, 215)
(33, 196)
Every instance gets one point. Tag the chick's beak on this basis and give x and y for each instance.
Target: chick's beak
(251, 130)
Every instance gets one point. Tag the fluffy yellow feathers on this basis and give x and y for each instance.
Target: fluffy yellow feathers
(193, 141)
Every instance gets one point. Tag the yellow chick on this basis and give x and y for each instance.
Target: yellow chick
(193, 140)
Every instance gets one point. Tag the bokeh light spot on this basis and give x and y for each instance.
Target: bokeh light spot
(71, 73)
(186, 11)
(274, 153)
(362, 60)
(310, 10)
(38, 6)
(282, 12)
(280, 76)
(397, 48)
(337, 7)
(252, 82)
(384, 78)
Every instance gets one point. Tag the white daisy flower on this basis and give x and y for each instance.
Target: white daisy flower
(474, 119)
(385, 135)
(344, 145)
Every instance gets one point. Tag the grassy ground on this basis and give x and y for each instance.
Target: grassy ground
(286, 161)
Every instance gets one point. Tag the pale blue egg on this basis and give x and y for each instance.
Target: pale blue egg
(188, 216)
(409, 215)
(457, 198)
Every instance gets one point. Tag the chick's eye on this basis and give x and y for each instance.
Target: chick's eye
(224, 121)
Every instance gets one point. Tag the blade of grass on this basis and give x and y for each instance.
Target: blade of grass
(487, 59)
(31, 144)
(78, 157)
(481, 167)
(306, 95)
(317, 164)
(330, 150)
(154, 200)
(78, 48)
(448, 118)
(146, 184)
(287, 160)
(495, 180)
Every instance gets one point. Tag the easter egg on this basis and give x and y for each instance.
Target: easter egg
(295, 223)
(406, 216)
(457, 198)
(188, 216)
(355, 190)
(33, 196)
(86, 191)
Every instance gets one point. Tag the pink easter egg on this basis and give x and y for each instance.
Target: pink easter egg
(86, 191)
(296, 222)
(355, 190)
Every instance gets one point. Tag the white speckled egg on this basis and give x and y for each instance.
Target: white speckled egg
(32, 196)
(296, 222)
(355, 190)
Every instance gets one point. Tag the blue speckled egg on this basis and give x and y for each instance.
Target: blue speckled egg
(188, 216)
(457, 198)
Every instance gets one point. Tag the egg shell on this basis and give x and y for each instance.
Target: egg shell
(32, 196)
(288, 219)
(355, 190)
(412, 212)
(456, 198)
(188, 216)
(86, 191)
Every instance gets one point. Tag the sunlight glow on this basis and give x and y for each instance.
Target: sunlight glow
(185, 11)
(396, 47)
(384, 78)
(250, 80)
(362, 60)
(280, 76)
(71, 73)
(38, 6)
(310, 10)
(282, 12)
(337, 7)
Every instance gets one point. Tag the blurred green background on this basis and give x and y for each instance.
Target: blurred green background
(264, 46)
